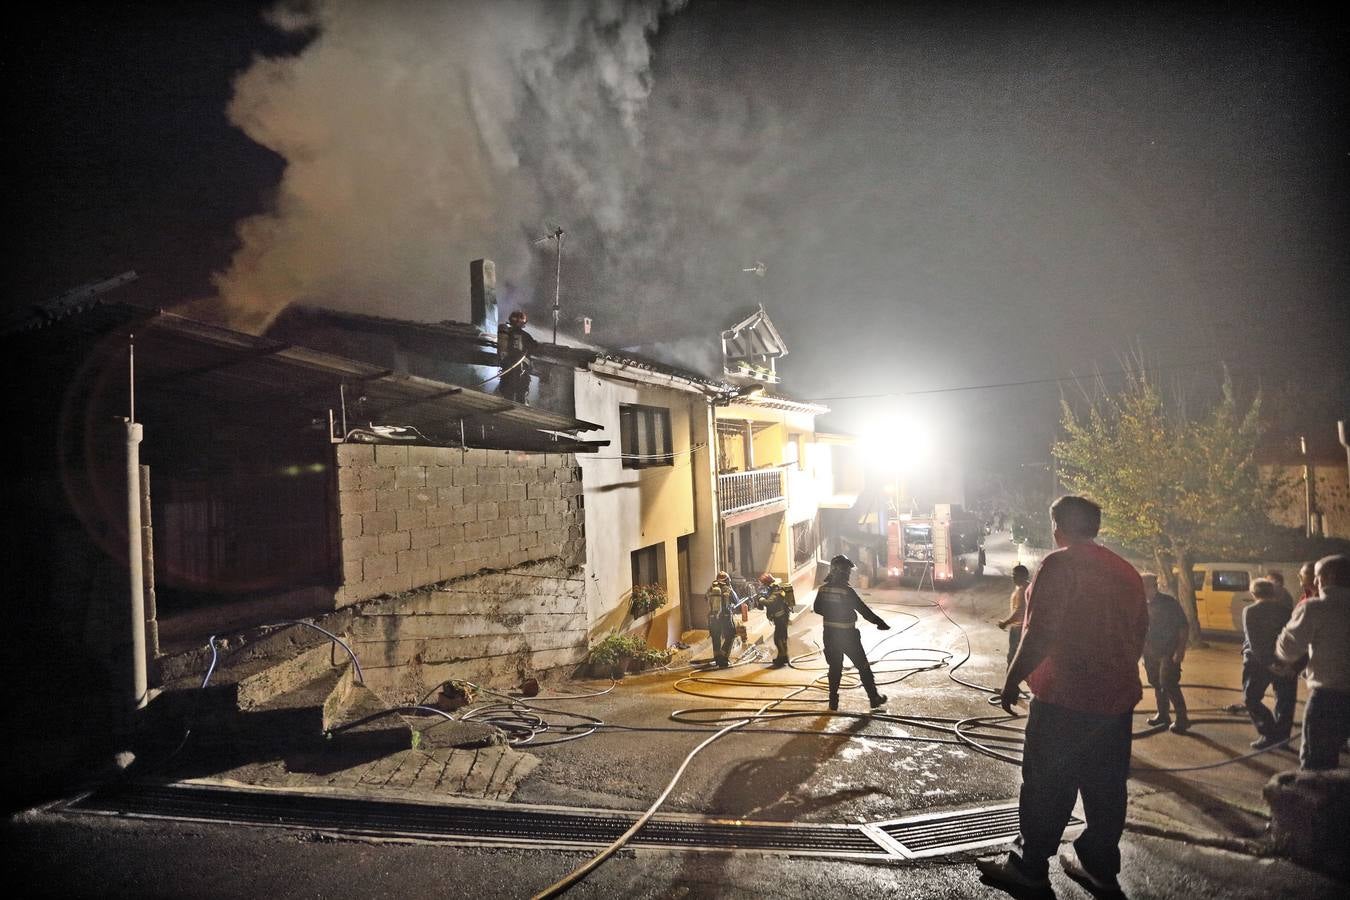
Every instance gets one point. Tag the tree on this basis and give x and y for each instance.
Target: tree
(1170, 485)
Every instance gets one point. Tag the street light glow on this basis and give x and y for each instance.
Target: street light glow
(897, 443)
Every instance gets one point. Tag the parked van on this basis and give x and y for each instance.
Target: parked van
(1224, 589)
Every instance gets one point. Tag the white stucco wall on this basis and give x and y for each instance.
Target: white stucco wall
(628, 509)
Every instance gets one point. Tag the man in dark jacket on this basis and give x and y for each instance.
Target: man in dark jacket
(1261, 624)
(839, 605)
(1164, 649)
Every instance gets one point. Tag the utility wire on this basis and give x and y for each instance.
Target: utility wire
(1009, 384)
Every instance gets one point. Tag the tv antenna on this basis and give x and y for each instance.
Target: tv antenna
(757, 269)
(555, 234)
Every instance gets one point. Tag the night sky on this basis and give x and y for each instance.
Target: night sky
(941, 197)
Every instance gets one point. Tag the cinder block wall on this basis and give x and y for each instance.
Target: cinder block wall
(492, 629)
(416, 516)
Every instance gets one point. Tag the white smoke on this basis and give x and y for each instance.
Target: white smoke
(418, 136)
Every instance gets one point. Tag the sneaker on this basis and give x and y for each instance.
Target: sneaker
(878, 701)
(1160, 720)
(1074, 868)
(1007, 871)
(1180, 726)
(1265, 743)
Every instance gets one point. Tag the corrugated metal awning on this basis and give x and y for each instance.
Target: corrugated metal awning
(179, 359)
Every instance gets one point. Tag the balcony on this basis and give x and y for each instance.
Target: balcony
(749, 495)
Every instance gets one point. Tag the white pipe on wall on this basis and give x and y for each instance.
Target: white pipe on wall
(139, 681)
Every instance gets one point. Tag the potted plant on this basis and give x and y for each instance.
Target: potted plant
(609, 657)
(647, 598)
(651, 657)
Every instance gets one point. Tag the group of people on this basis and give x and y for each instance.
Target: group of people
(1274, 653)
(836, 603)
(1076, 636)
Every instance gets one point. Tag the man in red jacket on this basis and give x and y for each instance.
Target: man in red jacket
(1084, 633)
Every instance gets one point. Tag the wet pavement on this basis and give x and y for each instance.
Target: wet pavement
(799, 764)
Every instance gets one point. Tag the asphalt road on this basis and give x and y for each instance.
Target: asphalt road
(823, 769)
(69, 857)
(828, 769)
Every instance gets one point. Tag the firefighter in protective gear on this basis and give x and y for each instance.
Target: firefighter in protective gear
(722, 600)
(515, 346)
(839, 605)
(773, 597)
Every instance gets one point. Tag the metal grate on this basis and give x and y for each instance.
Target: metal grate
(516, 825)
(932, 835)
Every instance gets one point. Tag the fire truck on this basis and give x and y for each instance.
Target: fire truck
(943, 547)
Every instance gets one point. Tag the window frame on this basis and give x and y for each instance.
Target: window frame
(641, 428)
(1221, 580)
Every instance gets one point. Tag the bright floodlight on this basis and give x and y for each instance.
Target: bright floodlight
(897, 443)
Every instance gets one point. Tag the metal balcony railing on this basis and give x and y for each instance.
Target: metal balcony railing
(746, 490)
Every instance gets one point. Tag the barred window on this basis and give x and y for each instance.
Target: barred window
(805, 542)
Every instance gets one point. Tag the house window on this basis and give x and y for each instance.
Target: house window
(648, 564)
(805, 540)
(644, 434)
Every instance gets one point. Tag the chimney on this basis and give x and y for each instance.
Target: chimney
(483, 295)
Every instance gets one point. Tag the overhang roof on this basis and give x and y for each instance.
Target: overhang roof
(182, 356)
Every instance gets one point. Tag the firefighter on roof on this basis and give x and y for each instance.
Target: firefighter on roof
(515, 346)
(839, 605)
(722, 600)
(777, 603)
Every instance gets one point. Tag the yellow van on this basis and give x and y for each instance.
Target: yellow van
(1224, 589)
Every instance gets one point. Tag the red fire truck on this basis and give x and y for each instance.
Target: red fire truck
(944, 547)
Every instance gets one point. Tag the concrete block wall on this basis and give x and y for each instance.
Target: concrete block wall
(492, 628)
(415, 516)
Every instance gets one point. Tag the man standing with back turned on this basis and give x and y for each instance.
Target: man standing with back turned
(1084, 634)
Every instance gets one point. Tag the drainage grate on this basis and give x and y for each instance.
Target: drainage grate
(516, 825)
(932, 835)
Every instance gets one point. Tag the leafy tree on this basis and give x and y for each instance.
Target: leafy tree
(1171, 485)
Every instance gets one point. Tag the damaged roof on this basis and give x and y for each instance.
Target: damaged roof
(186, 358)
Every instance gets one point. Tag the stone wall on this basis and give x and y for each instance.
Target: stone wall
(415, 516)
(1331, 496)
(494, 629)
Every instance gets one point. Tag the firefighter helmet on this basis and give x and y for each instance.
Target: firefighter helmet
(841, 562)
(722, 576)
(518, 314)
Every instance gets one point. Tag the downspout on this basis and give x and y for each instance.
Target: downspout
(1340, 433)
(136, 580)
(715, 455)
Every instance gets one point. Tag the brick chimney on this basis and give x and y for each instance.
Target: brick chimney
(483, 295)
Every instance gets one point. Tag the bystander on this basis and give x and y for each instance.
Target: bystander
(1017, 607)
(1164, 651)
(1261, 624)
(1084, 633)
(1320, 627)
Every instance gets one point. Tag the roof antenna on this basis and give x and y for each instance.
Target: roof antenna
(757, 269)
(555, 234)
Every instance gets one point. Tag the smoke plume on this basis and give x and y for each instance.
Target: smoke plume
(419, 136)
